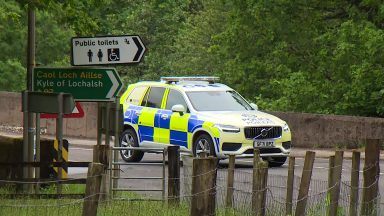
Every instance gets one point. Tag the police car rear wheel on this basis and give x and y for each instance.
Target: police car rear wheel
(129, 139)
(276, 161)
(203, 143)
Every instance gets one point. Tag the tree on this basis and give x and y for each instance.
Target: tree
(302, 55)
(12, 76)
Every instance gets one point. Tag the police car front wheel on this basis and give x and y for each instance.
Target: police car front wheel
(129, 139)
(203, 143)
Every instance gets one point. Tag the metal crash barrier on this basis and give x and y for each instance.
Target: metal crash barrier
(115, 167)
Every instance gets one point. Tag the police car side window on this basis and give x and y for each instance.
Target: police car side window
(154, 97)
(175, 97)
(136, 95)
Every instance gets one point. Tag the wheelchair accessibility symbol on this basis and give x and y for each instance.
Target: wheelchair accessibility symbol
(114, 54)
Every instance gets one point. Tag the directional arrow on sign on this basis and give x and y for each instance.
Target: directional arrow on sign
(115, 84)
(107, 50)
(140, 49)
(85, 84)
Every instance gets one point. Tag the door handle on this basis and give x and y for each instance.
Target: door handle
(164, 116)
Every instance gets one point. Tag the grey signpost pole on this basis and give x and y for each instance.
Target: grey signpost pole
(106, 123)
(59, 138)
(31, 64)
(106, 183)
(99, 123)
(25, 135)
(116, 168)
(37, 141)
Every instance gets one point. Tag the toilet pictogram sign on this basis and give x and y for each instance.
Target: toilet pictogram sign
(106, 50)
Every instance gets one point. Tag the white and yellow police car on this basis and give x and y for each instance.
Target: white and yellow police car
(199, 115)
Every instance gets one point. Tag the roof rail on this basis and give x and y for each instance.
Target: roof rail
(209, 79)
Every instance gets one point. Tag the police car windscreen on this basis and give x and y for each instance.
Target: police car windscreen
(218, 101)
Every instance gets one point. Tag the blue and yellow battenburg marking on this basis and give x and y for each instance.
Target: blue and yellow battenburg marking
(164, 126)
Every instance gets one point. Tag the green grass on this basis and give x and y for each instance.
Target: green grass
(127, 203)
(52, 189)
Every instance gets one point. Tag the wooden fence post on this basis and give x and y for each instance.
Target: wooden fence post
(101, 154)
(173, 175)
(187, 175)
(305, 182)
(290, 182)
(335, 190)
(371, 177)
(204, 186)
(259, 184)
(331, 169)
(230, 180)
(261, 193)
(354, 183)
(92, 189)
(255, 179)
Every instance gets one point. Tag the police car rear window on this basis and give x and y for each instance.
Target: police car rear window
(218, 101)
(136, 95)
(155, 97)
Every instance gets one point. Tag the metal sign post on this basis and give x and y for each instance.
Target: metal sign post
(117, 130)
(39, 102)
(29, 136)
(99, 123)
(59, 138)
(37, 146)
(25, 135)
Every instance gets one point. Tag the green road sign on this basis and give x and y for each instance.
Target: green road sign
(85, 84)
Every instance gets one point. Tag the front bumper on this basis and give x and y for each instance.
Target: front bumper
(264, 152)
(242, 147)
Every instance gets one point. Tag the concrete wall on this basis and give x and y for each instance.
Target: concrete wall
(309, 130)
(317, 131)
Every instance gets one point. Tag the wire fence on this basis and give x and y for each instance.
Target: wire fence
(318, 200)
(40, 198)
(151, 204)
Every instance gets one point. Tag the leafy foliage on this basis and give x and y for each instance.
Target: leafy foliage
(301, 55)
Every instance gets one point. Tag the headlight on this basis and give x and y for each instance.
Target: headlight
(285, 127)
(228, 128)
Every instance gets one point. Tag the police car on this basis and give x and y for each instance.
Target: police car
(199, 115)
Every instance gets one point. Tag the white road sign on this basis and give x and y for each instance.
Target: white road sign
(107, 50)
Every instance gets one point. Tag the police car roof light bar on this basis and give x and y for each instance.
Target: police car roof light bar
(209, 79)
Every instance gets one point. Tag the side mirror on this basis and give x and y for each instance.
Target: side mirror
(254, 106)
(178, 108)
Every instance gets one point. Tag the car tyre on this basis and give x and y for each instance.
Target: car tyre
(203, 143)
(276, 161)
(129, 139)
